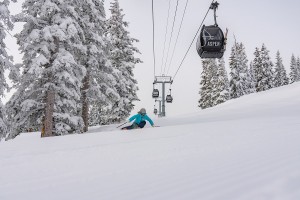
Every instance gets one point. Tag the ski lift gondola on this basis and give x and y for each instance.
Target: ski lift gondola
(169, 98)
(155, 93)
(211, 42)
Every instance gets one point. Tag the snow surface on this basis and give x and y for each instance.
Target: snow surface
(244, 149)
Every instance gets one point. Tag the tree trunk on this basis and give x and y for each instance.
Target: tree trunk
(48, 123)
(85, 102)
(47, 129)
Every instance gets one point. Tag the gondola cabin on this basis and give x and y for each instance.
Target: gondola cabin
(211, 42)
(155, 93)
(169, 98)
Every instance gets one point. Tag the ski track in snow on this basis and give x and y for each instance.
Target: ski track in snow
(244, 149)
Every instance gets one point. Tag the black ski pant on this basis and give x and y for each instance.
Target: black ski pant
(135, 125)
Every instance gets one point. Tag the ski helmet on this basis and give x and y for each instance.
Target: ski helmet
(142, 111)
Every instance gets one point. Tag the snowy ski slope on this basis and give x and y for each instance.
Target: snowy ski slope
(244, 149)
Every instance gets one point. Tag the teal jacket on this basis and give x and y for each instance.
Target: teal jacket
(139, 118)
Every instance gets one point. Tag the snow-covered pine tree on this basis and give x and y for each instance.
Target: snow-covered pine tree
(262, 67)
(98, 85)
(257, 70)
(99, 114)
(285, 76)
(294, 70)
(298, 68)
(209, 69)
(267, 69)
(239, 84)
(3, 126)
(49, 88)
(221, 85)
(251, 79)
(5, 60)
(280, 76)
(123, 59)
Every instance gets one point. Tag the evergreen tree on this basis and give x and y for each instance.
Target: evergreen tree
(257, 70)
(262, 67)
(251, 79)
(48, 94)
(267, 71)
(280, 76)
(298, 69)
(284, 75)
(99, 114)
(3, 126)
(207, 83)
(98, 85)
(294, 70)
(123, 60)
(221, 88)
(5, 60)
(239, 84)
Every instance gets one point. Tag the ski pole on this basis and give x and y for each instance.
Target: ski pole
(122, 124)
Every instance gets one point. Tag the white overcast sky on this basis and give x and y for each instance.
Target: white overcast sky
(253, 22)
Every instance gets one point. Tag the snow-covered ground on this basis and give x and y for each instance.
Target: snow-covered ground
(244, 149)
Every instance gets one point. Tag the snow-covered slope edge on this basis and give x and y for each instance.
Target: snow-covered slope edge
(246, 148)
(277, 102)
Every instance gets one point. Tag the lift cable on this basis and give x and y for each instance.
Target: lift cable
(192, 41)
(171, 36)
(162, 60)
(177, 36)
(153, 36)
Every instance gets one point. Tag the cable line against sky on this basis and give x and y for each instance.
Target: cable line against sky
(153, 36)
(162, 60)
(171, 36)
(186, 3)
(192, 41)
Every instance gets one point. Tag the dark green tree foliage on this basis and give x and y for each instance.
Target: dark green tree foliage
(295, 69)
(221, 84)
(207, 83)
(298, 69)
(123, 60)
(251, 79)
(280, 76)
(98, 87)
(263, 69)
(267, 67)
(239, 81)
(257, 70)
(48, 41)
(5, 61)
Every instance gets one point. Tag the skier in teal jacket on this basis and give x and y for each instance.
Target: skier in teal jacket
(139, 120)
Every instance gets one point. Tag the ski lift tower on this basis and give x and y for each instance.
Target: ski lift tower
(163, 80)
(159, 107)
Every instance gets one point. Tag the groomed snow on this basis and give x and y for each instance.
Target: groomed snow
(244, 149)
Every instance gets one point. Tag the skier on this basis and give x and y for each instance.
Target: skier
(139, 120)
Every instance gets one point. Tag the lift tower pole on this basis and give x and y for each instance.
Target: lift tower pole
(159, 113)
(163, 80)
(159, 107)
